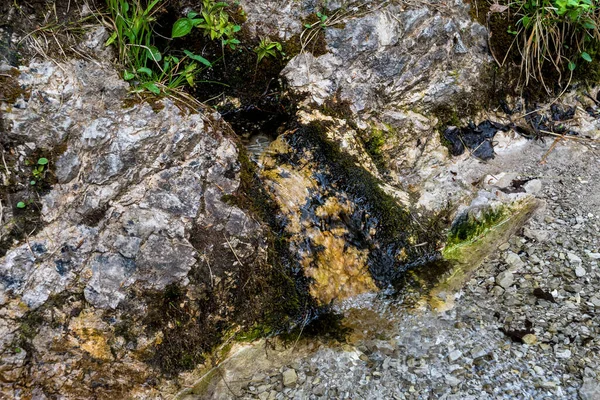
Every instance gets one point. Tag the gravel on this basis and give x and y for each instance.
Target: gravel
(525, 325)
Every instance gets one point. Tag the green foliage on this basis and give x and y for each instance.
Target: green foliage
(213, 21)
(144, 65)
(21, 205)
(555, 33)
(322, 18)
(267, 47)
(39, 170)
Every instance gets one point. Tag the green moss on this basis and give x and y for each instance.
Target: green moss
(468, 228)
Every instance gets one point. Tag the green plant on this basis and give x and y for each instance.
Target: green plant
(21, 205)
(555, 33)
(39, 170)
(213, 20)
(144, 65)
(321, 22)
(267, 47)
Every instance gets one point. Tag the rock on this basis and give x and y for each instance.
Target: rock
(137, 208)
(538, 235)
(289, 377)
(454, 355)
(514, 261)
(580, 271)
(590, 390)
(534, 186)
(593, 256)
(562, 353)
(529, 339)
(573, 258)
(505, 279)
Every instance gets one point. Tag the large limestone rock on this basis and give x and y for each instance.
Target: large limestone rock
(136, 207)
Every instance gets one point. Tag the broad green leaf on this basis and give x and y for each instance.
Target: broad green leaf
(236, 28)
(20, 205)
(128, 75)
(197, 58)
(145, 70)
(43, 161)
(182, 27)
(153, 53)
(586, 56)
(152, 87)
(192, 14)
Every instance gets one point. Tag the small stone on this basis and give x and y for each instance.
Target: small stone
(504, 246)
(452, 380)
(580, 271)
(505, 279)
(595, 301)
(514, 261)
(455, 355)
(564, 354)
(319, 390)
(529, 339)
(289, 377)
(534, 186)
(594, 256)
(573, 258)
(263, 396)
(590, 390)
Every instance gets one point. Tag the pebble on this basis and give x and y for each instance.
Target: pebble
(455, 355)
(529, 339)
(573, 258)
(580, 271)
(505, 279)
(514, 261)
(289, 377)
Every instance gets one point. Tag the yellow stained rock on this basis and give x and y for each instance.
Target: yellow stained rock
(90, 333)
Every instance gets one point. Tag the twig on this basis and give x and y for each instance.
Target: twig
(233, 251)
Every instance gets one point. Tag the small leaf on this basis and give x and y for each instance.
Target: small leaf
(153, 53)
(32, 183)
(43, 161)
(128, 75)
(152, 87)
(192, 14)
(145, 70)
(571, 66)
(21, 205)
(111, 39)
(586, 56)
(197, 58)
(236, 28)
(307, 26)
(182, 27)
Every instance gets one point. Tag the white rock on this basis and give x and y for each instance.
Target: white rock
(455, 355)
(533, 186)
(593, 256)
(505, 279)
(580, 271)
(573, 258)
(514, 261)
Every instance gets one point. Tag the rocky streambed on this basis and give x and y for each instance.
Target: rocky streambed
(379, 224)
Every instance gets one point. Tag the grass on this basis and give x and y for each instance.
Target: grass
(557, 34)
